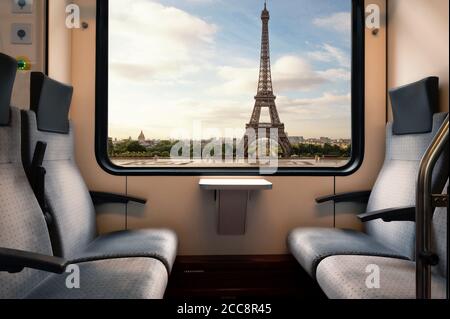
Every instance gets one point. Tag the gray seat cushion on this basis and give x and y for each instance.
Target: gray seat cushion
(22, 224)
(344, 277)
(311, 245)
(134, 278)
(156, 243)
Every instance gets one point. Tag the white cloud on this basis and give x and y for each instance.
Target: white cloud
(340, 22)
(236, 81)
(336, 74)
(326, 99)
(294, 73)
(200, 1)
(328, 53)
(326, 115)
(289, 73)
(150, 39)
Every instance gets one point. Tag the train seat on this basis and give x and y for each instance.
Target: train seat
(27, 267)
(393, 196)
(67, 198)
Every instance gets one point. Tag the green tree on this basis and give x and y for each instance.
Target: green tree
(135, 147)
(110, 147)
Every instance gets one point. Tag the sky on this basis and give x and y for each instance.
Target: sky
(180, 64)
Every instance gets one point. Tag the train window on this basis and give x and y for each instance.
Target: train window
(230, 87)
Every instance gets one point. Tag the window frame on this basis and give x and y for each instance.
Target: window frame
(357, 110)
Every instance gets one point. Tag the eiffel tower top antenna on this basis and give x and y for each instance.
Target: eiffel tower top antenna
(266, 4)
(265, 75)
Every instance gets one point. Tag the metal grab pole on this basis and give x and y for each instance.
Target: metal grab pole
(424, 212)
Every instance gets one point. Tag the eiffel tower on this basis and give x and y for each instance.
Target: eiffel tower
(265, 97)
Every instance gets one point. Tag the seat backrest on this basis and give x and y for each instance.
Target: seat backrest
(22, 224)
(73, 224)
(440, 242)
(405, 147)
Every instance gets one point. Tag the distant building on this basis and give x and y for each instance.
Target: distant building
(295, 140)
(141, 137)
(313, 141)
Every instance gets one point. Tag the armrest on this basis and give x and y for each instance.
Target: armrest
(14, 261)
(103, 198)
(398, 214)
(346, 197)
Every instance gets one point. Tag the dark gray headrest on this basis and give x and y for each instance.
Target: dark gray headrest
(414, 105)
(8, 70)
(50, 100)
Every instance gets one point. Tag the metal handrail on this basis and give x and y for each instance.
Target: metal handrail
(424, 212)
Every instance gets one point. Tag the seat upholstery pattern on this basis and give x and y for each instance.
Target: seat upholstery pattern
(311, 245)
(396, 185)
(345, 277)
(74, 234)
(70, 206)
(10, 146)
(67, 196)
(132, 278)
(22, 224)
(156, 243)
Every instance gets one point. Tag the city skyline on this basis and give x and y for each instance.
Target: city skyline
(294, 139)
(205, 78)
(138, 138)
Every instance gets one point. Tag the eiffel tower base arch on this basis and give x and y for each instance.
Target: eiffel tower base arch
(282, 141)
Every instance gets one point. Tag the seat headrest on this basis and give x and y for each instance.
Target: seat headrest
(8, 70)
(50, 100)
(413, 106)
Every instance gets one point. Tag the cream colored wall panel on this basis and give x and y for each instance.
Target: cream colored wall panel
(179, 204)
(60, 42)
(375, 122)
(419, 43)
